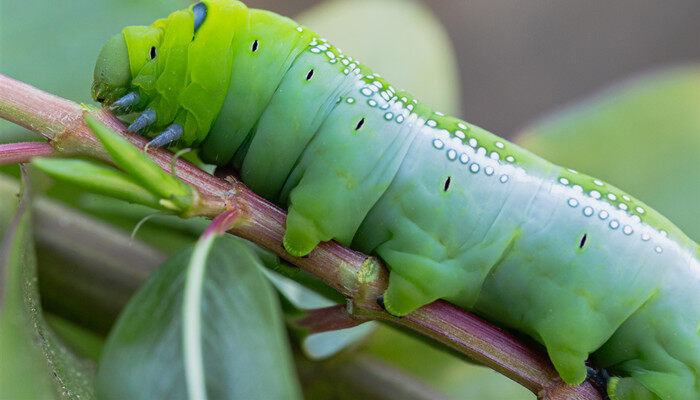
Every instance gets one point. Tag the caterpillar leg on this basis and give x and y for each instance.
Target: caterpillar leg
(402, 296)
(301, 236)
(169, 135)
(146, 118)
(569, 362)
(128, 100)
(628, 389)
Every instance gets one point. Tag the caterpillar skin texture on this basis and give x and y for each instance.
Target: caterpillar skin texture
(454, 211)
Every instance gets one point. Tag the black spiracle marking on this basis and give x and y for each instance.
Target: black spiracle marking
(446, 185)
(152, 53)
(359, 124)
(254, 47)
(582, 242)
(310, 74)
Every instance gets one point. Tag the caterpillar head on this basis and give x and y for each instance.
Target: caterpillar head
(145, 69)
(121, 59)
(112, 76)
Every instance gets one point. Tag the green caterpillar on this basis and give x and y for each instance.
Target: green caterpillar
(454, 211)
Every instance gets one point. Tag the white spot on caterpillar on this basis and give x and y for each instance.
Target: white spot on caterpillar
(464, 158)
(366, 91)
(439, 113)
(474, 167)
(577, 188)
(399, 119)
(645, 237)
(598, 182)
(503, 178)
(640, 210)
(431, 123)
(573, 202)
(603, 215)
(438, 144)
(300, 29)
(462, 126)
(627, 230)
(473, 142)
(460, 135)
(612, 197)
(595, 194)
(614, 224)
(495, 156)
(350, 100)
(500, 145)
(510, 159)
(315, 50)
(481, 151)
(658, 249)
(626, 197)
(451, 154)
(488, 170)
(588, 211)
(388, 116)
(563, 181)
(663, 233)
(622, 206)
(372, 103)
(572, 171)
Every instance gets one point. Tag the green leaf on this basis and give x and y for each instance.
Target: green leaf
(415, 52)
(207, 321)
(34, 363)
(642, 136)
(132, 160)
(79, 339)
(98, 178)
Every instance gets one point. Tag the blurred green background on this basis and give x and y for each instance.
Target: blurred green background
(499, 64)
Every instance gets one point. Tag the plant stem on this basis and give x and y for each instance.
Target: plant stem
(357, 276)
(326, 319)
(15, 153)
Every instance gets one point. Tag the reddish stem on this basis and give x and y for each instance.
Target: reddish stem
(326, 319)
(15, 153)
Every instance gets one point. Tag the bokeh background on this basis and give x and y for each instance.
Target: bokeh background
(611, 88)
(519, 59)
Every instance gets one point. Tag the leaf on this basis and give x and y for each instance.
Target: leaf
(642, 136)
(79, 339)
(207, 321)
(97, 178)
(415, 51)
(135, 163)
(34, 363)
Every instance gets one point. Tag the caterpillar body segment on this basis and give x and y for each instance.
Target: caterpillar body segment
(454, 211)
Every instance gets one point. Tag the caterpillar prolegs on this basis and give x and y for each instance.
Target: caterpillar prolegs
(454, 211)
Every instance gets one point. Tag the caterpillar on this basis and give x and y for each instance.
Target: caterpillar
(455, 212)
